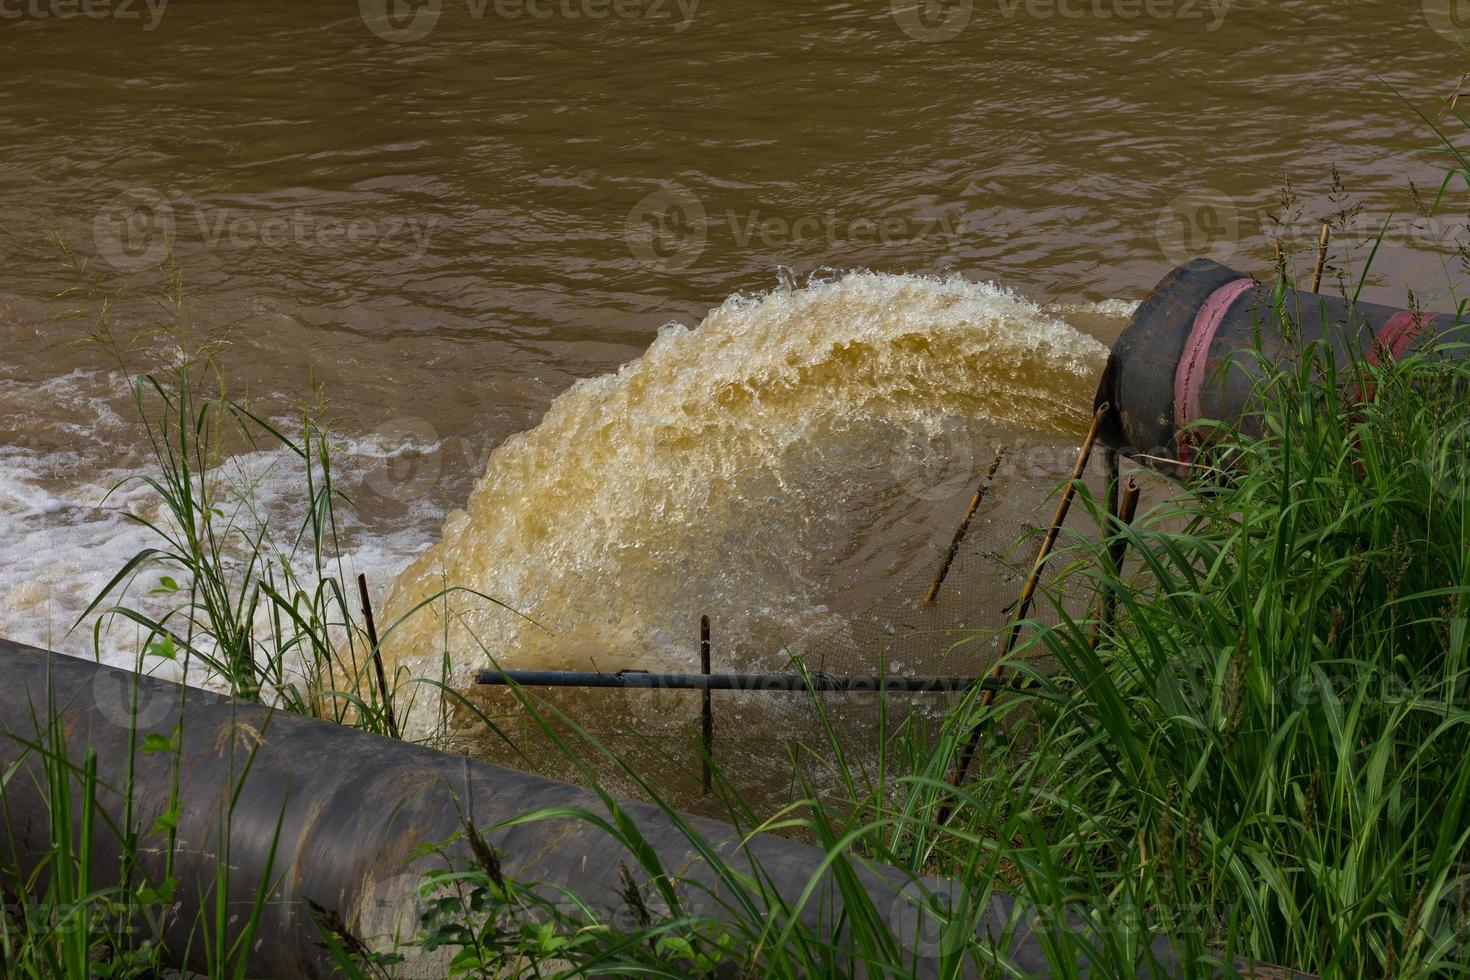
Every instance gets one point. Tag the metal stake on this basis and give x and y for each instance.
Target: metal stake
(959, 534)
(707, 718)
(1028, 592)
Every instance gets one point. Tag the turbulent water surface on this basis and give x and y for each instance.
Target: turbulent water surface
(628, 312)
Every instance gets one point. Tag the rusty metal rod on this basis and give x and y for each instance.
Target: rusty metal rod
(1117, 550)
(706, 717)
(1322, 242)
(963, 529)
(1028, 592)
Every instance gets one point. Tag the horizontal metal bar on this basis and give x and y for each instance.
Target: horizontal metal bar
(738, 682)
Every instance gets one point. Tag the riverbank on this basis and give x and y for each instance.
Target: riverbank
(1265, 756)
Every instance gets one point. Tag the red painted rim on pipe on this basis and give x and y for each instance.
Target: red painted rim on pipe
(1189, 374)
(1394, 339)
(1398, 333)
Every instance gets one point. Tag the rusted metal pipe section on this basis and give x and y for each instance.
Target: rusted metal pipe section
(1028, 592)
(963, 529)
(1191, 352)
(706, 713)
(326, 816)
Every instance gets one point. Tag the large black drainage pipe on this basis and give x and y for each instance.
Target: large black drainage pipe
(1190, 352)
(344, 811)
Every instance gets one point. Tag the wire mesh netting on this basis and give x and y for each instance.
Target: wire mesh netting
(765, 742)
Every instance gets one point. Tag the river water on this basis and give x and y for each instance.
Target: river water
(628, 310)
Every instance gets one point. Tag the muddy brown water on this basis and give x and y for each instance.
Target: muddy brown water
(449, 214)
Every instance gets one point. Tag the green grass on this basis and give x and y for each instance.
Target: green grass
(1266, 756)
(1272, 752)
(62, 919)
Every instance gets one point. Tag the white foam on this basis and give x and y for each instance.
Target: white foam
(69, 526)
